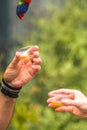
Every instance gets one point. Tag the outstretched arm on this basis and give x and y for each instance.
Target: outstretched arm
(17, 74)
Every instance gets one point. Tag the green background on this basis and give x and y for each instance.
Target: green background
(60, 31)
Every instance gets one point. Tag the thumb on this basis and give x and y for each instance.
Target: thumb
(16, 59)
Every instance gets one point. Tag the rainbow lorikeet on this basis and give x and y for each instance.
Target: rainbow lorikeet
(22, 8)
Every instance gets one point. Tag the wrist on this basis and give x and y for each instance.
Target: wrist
(7, 98)
(10, 91)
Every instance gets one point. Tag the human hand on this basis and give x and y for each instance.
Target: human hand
(19, 73)
(76, 105)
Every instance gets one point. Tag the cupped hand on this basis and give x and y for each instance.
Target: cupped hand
(19, 72)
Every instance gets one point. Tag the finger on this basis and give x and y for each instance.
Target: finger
(36, 54)
(37, 61)
(36, 68)
(57, 98)
(60, 91)
(72, 110)
(32, 49)
(64, 109)
(61, 96)
(70, 102)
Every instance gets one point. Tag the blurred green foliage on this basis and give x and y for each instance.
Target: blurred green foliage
(62, 37)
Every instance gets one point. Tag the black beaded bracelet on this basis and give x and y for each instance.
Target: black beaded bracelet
(8, 90)
(8, 93)
(9, 86)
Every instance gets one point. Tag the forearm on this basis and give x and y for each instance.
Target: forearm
(6, 110)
